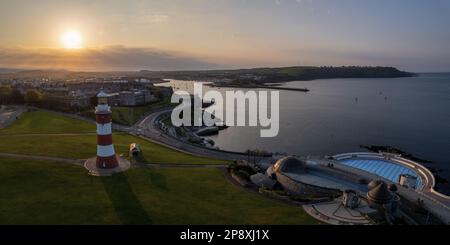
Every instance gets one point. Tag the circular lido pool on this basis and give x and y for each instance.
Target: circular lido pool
(388, 166)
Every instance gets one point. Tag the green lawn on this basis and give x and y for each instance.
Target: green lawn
(45, 124)
(129, 115)
(43, 192)
(37, 192)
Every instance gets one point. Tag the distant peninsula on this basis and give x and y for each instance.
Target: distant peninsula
(270, 78)
(284, 74)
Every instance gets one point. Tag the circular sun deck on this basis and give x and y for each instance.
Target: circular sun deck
(389, 168)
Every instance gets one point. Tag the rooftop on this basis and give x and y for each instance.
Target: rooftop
(381, 167)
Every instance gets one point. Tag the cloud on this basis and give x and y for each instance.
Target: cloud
(104, 58)
(303, 1)
(158, 18)
(145, 18)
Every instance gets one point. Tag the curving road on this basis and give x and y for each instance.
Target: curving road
(147, 129)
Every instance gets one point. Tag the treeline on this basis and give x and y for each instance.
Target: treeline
(33, 97)
(10, 95)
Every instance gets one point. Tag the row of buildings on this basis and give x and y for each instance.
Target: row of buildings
(131, 98)
(122, 98)
(80, 93)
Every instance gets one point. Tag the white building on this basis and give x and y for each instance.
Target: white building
(135, 97)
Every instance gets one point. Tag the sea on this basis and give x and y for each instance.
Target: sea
(411, 114)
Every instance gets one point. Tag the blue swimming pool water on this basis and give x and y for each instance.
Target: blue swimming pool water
(385, 169)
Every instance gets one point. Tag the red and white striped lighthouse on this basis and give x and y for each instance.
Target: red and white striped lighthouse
(106, 156)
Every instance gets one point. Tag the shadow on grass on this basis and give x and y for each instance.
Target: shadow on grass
(159, 181)
(142, 159)
(126, 204)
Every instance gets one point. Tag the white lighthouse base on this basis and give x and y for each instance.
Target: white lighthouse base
(91, 166)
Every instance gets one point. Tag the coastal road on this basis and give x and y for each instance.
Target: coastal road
(147, 129)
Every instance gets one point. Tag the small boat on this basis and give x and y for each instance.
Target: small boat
(207, 131)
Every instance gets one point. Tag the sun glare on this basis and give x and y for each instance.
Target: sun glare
(71, 39)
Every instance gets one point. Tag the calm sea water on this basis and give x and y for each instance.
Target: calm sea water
(339, 115)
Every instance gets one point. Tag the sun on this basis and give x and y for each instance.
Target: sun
(71, 39)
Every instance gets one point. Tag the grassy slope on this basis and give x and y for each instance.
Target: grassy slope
(47, 122)
(78, 146)
(40, 192)
(128, 115)
(36, 192)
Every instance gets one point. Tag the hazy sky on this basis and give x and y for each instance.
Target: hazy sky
(412, 35)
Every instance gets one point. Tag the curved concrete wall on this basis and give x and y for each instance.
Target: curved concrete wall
(298, 188)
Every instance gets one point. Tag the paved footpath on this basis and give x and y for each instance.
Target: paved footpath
(80, 162)
(48, 134)
(181, 165)
(35, 157)
(7, 117)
